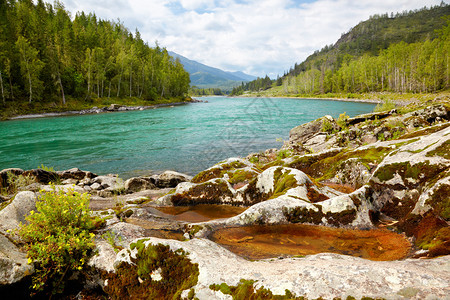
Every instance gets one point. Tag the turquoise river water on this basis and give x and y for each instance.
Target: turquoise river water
(187, 138)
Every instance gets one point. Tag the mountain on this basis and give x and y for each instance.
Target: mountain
(203, 76)
(403, 52)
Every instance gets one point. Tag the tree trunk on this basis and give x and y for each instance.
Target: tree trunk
(1, 84)
(31, 90)
(131, 76)
(62, 89)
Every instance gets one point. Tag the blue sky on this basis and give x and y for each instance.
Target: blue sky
(257, 37)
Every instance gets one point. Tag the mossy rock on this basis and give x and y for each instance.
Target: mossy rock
(417, 174)
(245, 289)
(175, 273)
(241, 175)
(303, 214)
(327, 166)
(217, 171)
(210, 192)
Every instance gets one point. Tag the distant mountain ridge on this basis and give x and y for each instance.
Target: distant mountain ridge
(204, 76)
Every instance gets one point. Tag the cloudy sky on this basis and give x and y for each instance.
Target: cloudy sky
(257, 37)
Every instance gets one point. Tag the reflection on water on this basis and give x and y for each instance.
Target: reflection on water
(201, 212)
(257, 242)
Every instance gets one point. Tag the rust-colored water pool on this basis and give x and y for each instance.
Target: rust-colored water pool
(201, 212)
(258, 242)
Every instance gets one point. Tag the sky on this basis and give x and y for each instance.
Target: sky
(257, 37)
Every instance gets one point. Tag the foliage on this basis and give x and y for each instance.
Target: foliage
(342, 120)
(327, 126)
(176, 271)
(46, 55)
(195, 91)
(45, 168)
(281, 154)
(387, 105)
(18, 182)
(114, 240)
(58, 238)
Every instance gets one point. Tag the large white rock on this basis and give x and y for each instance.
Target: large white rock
(323, 275)
(13, 262)
(17, 210)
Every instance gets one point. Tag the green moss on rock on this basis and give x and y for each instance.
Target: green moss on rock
(442, 150)
(420, 172)
(137, 280)
(217, 171)
(205, 193)
(245, 290)
(241, 175)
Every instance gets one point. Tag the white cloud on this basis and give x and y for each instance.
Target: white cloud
(257, 37)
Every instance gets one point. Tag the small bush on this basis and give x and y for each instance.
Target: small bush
(327, 126)
(386, 105)
(342, 120)
(58, 238)
(19, 182)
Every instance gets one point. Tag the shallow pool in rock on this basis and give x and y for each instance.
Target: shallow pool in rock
(201, 212)
(258, 242)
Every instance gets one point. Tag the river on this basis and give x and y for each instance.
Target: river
(187, 138)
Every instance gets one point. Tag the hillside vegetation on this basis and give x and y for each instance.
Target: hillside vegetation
(408, 52)
(48, 57)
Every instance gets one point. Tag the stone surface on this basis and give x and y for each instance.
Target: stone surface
(170, 179)
(323, 275)
(137, 184)
(13, 262)
(17, 210)
(304, 132)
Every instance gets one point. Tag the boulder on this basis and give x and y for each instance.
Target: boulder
(13, 263)
(136, 184)
(17, 210)
(301, 134)
(403, 176)
(170, 179)
(42, 176)
(110, 183)
(75, 173)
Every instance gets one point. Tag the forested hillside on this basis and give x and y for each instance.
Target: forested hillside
(407, 52)
(45, 55)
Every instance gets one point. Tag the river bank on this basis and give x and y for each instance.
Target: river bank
(399, 99)
(96, 110)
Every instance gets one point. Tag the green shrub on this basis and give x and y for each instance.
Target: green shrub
(18, 182)
(342, 120)
(386, 105)
(327, 126)
(58, 238)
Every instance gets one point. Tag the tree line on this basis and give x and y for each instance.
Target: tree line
(45, 55)
(402, 67)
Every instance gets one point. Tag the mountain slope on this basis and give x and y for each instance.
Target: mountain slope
(204, 76)
(406, 52)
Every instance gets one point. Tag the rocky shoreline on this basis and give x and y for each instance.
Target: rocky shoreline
(383, 172)
(105, 109)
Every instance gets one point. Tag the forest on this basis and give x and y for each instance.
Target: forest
(46, 55)
(407, 52)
